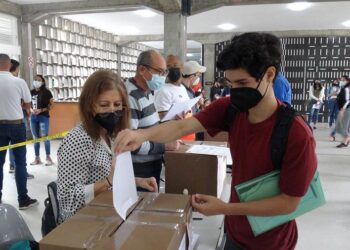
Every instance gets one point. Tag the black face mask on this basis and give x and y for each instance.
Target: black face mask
(245, 98)
(174, 74)
(109, 120)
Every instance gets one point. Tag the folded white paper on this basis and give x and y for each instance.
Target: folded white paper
(180, 107)
(124, 186)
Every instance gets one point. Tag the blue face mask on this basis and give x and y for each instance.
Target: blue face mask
(156, 82)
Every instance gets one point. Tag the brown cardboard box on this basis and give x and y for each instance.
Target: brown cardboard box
(83, 230)
(198, 173)
(155, 216)
(149, 231)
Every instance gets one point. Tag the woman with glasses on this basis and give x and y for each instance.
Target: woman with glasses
(85, 156)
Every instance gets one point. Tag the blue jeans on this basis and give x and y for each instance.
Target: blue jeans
(40, 127)
(15, 133)
(333, 110)
(12, 157)
(313, 115)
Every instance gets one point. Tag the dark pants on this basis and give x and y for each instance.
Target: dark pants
(148, 169)
(15, 133)
(231, 244)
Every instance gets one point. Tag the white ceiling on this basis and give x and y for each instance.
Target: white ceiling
(268, 17)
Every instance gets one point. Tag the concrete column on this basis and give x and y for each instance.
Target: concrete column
(175, 35)
(27, 42)
(209, 63)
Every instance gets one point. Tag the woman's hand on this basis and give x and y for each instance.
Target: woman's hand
(147, 183)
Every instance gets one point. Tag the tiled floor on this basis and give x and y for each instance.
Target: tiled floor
(326, 228)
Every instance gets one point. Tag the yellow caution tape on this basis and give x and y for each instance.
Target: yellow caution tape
(45, 138)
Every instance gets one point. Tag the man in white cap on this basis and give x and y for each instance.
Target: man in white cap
(191, 76)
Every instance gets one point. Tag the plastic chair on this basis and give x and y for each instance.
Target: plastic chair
(13, 227)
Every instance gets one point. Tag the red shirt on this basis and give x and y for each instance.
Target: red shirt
(250, 150)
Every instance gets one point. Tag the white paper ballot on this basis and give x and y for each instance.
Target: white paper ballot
(124, 186)
(211, 150)
(180, 107)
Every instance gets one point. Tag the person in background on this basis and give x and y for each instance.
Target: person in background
(215, 91)
(42, 101)
(250, 62)
(282, 89)
(150, 76)
(85, 156)
(172, 91)
(316, 97)
(227, 87)
(191, 74)
(343, 120)
(14, 70)
(332, 102)
(12, 128)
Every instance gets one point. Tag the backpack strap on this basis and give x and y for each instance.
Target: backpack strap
(279, 137)
(229, 116)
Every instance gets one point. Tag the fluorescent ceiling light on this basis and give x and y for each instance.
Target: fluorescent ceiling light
(298, 6)
(189, 54)
(346, 23)
(226, 26)
(145, 13)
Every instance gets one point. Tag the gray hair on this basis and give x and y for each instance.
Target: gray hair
(145, 57)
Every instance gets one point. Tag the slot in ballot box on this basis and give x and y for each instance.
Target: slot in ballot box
(196, 172)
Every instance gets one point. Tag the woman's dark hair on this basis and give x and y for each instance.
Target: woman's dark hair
(42, 87)
(14, 65)
(254, 52)
(99, 82)
(317, 84)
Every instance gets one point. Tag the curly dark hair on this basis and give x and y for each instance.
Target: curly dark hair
(253, 51)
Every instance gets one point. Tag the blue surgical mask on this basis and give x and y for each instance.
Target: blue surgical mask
(156, 82)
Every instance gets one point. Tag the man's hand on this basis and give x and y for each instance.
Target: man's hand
(128, 140)
(147, 183)
(208, 205)
(172, 146)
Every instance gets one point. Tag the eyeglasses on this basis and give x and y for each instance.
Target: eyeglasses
(161, 72)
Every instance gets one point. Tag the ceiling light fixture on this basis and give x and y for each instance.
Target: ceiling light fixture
(346, 23)
(298, 6)
(189, 54)
(226, 26)
(145, 13)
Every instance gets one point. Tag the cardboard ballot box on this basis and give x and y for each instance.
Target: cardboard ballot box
(198, 173)
(157, 221)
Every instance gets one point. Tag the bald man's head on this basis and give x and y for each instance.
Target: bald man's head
(5, 62)
(173, 61)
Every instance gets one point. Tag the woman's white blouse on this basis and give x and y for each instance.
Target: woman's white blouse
(81, 163)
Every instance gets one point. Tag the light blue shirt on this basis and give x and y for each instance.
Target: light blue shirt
(282, 89)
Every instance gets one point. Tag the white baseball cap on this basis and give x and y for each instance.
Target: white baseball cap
(192, 67)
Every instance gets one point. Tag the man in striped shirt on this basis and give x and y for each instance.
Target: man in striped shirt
(150, 76)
